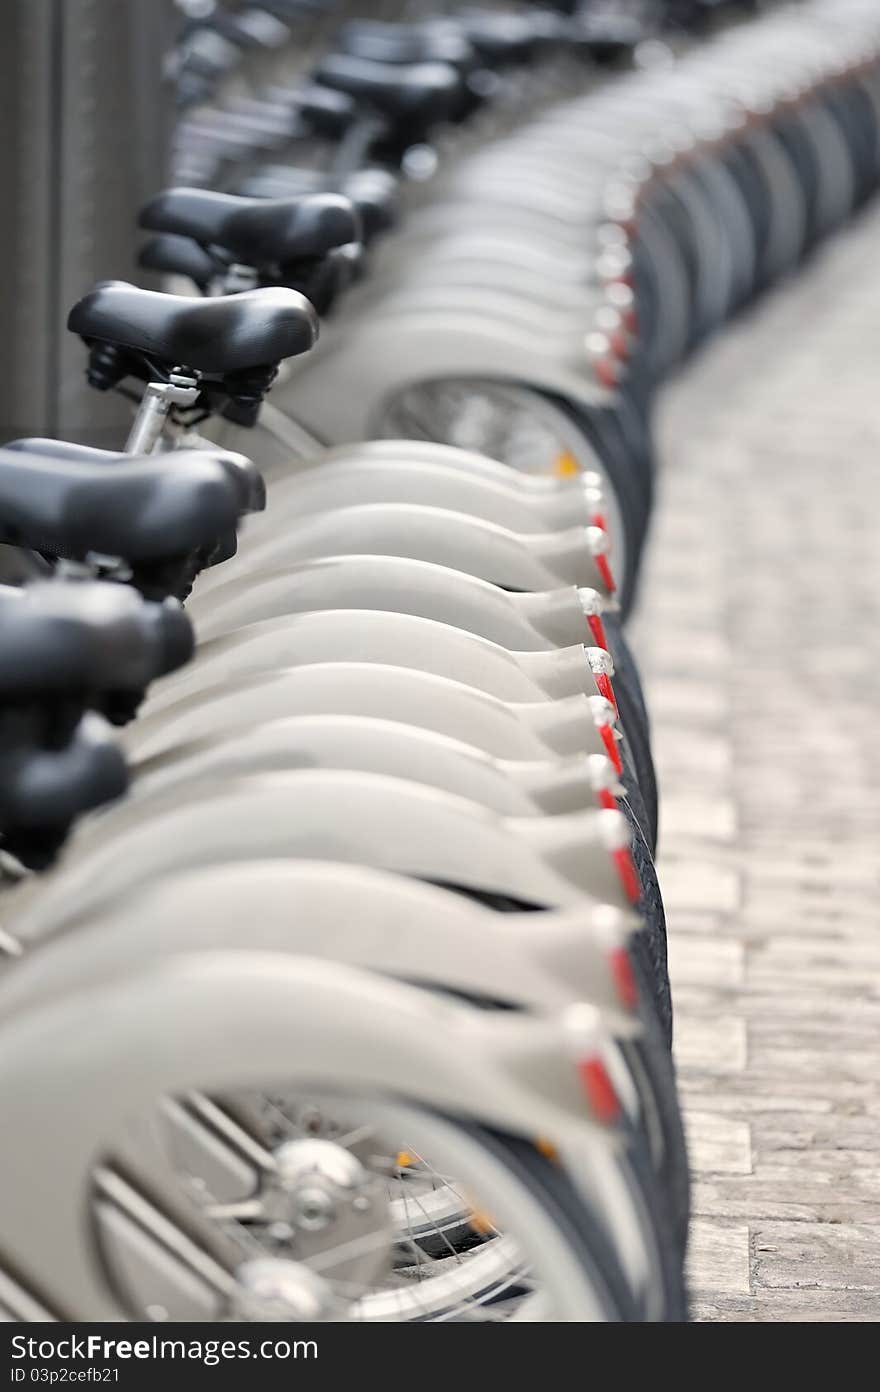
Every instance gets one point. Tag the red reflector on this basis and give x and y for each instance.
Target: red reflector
(629, 876)
(604, 687)
(604, 570)
(598, 520)
(606, 372)
(620, 344)
(597, 628)
(611, 749)
(597, 1085)
(606, 798)
(624, 977)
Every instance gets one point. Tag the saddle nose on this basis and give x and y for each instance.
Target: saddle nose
(80, 639)
(417, 95)
(256, 231)
(42, 791)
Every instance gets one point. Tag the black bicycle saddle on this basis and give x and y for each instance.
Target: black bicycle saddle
(244, 473)
(86, 638)
(43, 790)
(373, 191)
(150, 510)
(326, 111)
(171, 255)
(606, 37)
(218, 337)
(415, 96)
(407, 43)
(252, 31)
(258, 232)
(501, 40)
(205, 56)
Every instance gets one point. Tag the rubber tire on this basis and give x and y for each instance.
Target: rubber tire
(558, 1194)
(639, 749)
(651, 941)
(664, 1133)
(644, 1184)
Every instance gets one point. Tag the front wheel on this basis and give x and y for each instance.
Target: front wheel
(348, 1208)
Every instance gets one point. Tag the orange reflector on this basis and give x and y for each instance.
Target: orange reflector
(565, 465)
(629, 876)
(481, 1222)
(546, 1148)
(404, 1160)
(624, 977)
(601, 1095)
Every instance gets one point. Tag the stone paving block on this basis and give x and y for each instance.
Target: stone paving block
(778, 1195)
(718, 1144)
(718, 1258)
(707, 818)
(825, 1063)
(843, 1131)
(694, 1002)
(712, 1043)
(699, 923)
(686, 750)
(749, 1093)
(805, 1308)
(851, 873)
(826, 1256)
(706, 961)
(801, 914)
(789, 1001)
(699, 885)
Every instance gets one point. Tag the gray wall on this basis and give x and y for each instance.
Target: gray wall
(84, 130)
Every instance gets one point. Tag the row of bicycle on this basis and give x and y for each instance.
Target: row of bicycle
(356, 1007)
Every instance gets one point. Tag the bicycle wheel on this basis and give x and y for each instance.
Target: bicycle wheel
(352, 1192)
(525, 429)
(363, 1196)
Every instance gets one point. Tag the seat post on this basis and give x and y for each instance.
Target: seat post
(355, 145)
(157, 403)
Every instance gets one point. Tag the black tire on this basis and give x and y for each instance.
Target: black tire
(650, 945)
(633, 794)
(652, 1066)
(603, 437)
(583, 1230)
(669, 1267)
(638, 747)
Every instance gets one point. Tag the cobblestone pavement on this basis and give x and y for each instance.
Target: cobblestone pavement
(759, 633)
